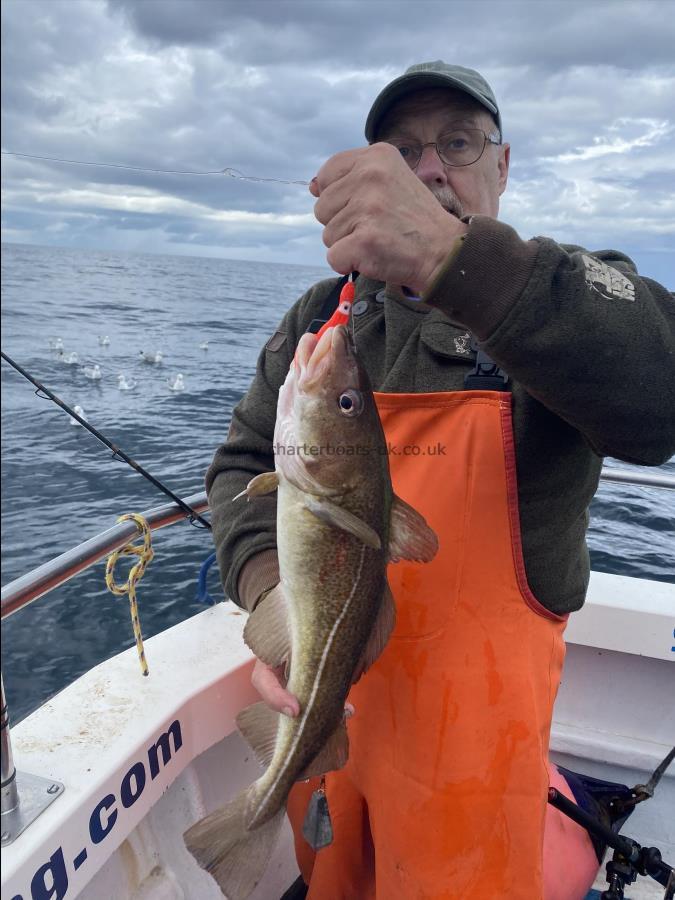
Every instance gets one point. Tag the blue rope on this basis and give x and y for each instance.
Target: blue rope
(203, 595)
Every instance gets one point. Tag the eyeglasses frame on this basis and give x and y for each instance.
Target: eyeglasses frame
(491, 138)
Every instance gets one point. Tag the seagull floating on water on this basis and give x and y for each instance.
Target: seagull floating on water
(70, 359)
(92, 372)
(125, 385)
(103, 340)
(80, 413)
(204, 345)
(177, 383)
(151, 356)
(56, 343)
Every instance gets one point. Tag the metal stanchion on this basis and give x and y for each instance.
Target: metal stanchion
(10, 795)
(24, 796)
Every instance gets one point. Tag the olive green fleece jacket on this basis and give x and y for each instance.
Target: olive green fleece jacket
(589, 346)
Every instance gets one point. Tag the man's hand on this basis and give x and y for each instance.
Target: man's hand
(270, 682)
(380, 219)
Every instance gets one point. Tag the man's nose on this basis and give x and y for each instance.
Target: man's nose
(430, 169)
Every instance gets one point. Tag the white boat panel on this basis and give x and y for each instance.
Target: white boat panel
(631, 615)
(615, 706)
(152, 863)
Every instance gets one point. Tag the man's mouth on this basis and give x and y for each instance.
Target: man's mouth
(449, 202)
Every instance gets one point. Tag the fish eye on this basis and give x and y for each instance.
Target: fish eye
(350, 402)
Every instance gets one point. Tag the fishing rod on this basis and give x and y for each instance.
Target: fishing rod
(192, 515)
(630, 859)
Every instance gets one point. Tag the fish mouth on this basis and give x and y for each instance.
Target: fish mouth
(321, 367)
(316, 358)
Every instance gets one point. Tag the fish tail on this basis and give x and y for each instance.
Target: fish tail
(234, 855)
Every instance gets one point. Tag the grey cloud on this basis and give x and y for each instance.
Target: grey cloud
(545, 34)
(274, 88)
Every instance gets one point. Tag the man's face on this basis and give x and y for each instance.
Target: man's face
(423, 117)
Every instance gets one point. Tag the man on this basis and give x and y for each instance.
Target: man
(444, 795)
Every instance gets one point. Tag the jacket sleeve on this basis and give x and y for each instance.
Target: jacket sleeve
(244, 529)
(581, 331)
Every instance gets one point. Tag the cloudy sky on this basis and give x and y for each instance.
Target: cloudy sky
(274, 87)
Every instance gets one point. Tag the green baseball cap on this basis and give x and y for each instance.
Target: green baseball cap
(429, 75)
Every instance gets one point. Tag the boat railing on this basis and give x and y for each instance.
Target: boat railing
(34, 584)
(39, 581)
(43, 579)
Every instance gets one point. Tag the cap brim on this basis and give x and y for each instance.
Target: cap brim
(415, 82)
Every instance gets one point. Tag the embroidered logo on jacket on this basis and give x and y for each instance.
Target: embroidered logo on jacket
(462, 343)
(609, 283)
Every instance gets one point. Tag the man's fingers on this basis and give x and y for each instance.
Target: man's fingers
(353, 253)
(267, 681)
(335, 168)
(332, 202)
(341, 225)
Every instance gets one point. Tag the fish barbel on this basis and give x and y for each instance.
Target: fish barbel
(338, 525)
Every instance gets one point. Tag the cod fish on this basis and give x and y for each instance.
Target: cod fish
(338, 525)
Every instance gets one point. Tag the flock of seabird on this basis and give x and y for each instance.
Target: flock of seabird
(175, 383)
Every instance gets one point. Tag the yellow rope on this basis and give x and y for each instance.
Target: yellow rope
(145, 554)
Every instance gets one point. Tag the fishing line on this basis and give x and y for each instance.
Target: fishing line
(45, 393)
(351, 321)
(232, 173)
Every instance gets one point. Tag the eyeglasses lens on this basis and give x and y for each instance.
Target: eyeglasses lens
(457, 148)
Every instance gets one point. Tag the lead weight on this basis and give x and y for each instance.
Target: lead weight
(317, 829)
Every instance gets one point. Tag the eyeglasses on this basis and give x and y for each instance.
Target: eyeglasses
(462, 147)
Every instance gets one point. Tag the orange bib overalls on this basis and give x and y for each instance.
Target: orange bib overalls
(444, 793)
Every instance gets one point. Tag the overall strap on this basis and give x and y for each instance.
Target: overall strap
(486, 374)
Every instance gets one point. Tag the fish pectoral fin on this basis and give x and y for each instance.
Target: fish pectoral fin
(337, 517)
(333, 755)
(383, 627)
(258, 725)
(262, 484)
(235, 856)
(266, 632)
(409, 535)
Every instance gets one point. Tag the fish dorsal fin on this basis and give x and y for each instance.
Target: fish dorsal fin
(267, 632)
(333, 755)
(262, 484)
(410, 537)
(383, 627)
(341, 518)
(258, 725)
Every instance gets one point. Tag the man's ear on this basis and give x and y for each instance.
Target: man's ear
(503, 166)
